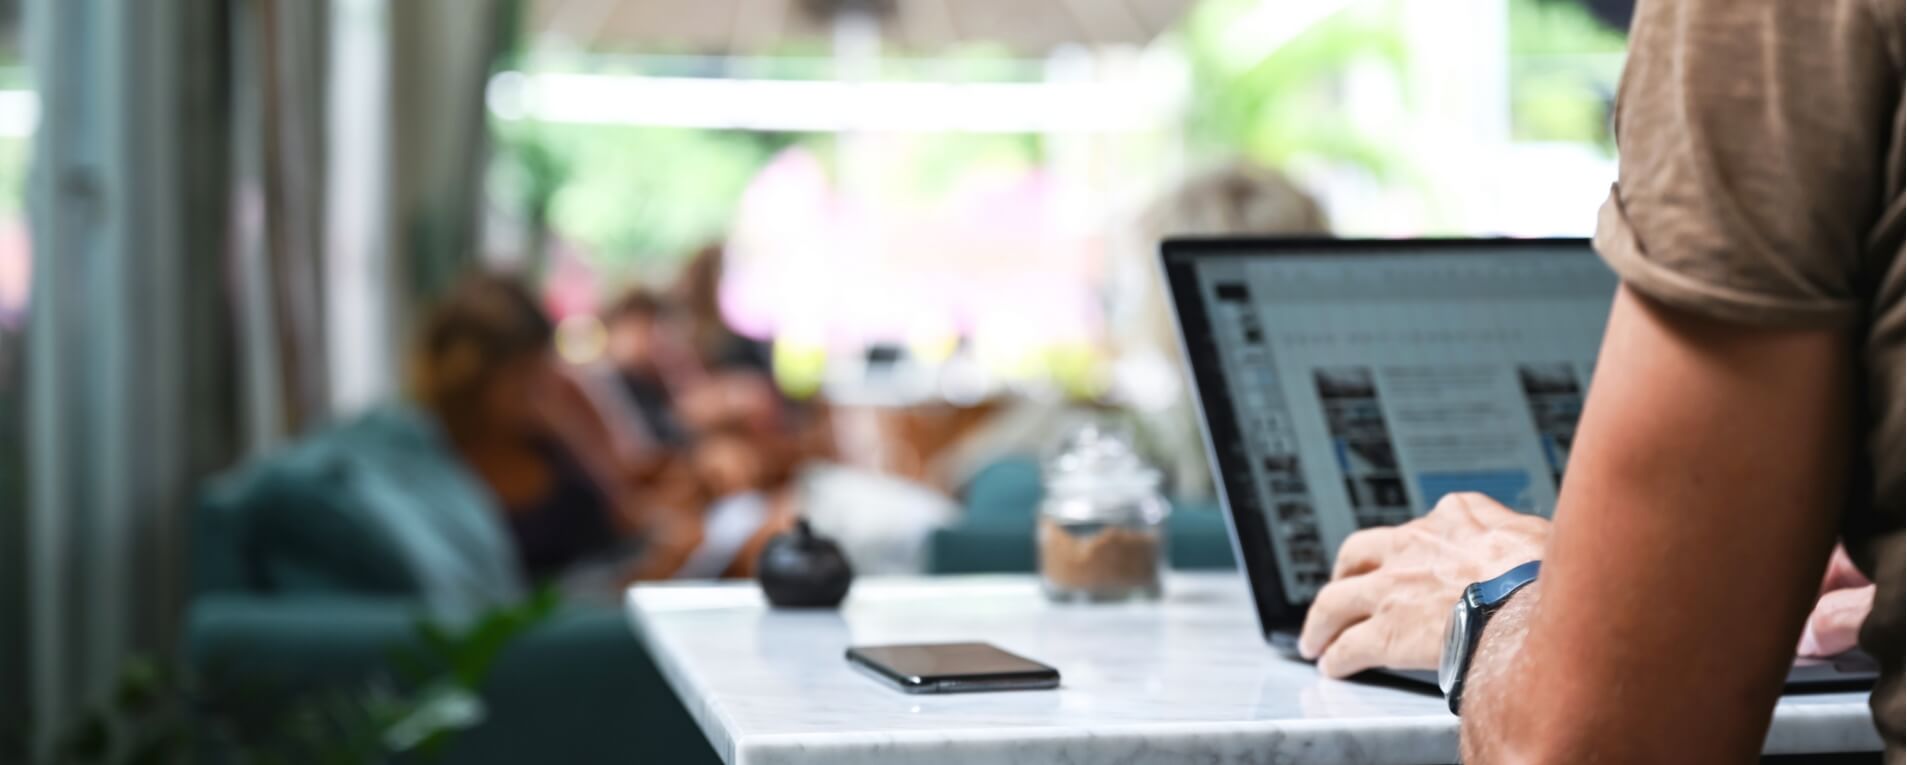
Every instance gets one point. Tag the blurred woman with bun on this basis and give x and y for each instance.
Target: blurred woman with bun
(484, 367)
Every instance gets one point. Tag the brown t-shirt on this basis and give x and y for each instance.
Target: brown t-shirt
(1760, 183)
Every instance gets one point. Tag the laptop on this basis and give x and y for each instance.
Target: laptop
(1344, 384)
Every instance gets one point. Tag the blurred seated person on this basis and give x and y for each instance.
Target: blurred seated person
(679, 348)
(734, 374)
(483, 367)
(740, 428)
(723, 503)
(640, 348)
(578, 511)
(715, 456)
(671, 397)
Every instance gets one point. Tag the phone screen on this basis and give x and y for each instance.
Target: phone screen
(954, 666)
(931, 660)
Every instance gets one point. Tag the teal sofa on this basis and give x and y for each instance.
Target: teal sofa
(313, 565)
(995, 533)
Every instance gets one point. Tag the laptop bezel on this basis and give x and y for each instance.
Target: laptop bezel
(1251, 541)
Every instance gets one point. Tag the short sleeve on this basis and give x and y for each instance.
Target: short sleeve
(1752, 139)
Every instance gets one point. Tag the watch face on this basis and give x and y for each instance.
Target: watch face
(1454, 638)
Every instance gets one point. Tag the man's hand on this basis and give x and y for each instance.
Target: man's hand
(1392, 588)
(1846, 597)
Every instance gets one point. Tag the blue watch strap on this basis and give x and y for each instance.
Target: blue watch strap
(1492, 593)
(1481, 599)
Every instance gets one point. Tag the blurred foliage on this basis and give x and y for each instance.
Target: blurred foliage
(646, 194)
(1557, 27)
(941, 161)
(1564, 67)
(164, 715)
(1287, 101)
(635, 198)
(524, 176)
(639, 200)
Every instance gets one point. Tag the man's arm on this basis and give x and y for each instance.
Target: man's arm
(1688, 545)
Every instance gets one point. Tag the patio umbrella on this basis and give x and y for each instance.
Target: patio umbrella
(1028, 27)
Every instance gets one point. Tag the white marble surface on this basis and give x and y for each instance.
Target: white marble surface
(1186, 680)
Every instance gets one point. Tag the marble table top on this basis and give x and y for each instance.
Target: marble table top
(1184, 680)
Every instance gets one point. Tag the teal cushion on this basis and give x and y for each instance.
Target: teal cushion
(309, 534)
(996, 532)
(283, 524)
(1195, 536)
(1199, 539)
(378, 505)
(219, 557)
(981, 549)
(1005, 491)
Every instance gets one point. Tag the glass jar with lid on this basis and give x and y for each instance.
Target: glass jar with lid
(1102, 524)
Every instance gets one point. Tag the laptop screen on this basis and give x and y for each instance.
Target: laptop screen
(1361, 382)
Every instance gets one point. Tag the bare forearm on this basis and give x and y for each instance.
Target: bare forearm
(1489, 708)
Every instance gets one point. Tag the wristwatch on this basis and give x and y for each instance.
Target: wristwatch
(1473, 611)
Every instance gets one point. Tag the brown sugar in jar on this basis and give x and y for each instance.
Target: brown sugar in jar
(1095, 562)
(1102, 524)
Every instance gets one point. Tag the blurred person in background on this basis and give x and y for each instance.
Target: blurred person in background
(642, 343)
(583, 510)
(724, 380)
(673, 395)
(725, 445)
(483, 367)
(1238, 198)
(713, 456)
(740, 459)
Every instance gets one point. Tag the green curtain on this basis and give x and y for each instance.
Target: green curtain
(128, 368)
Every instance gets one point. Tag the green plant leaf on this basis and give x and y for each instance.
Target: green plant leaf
(411, 666)
(141, 682)
(436, 638)
(439, 709)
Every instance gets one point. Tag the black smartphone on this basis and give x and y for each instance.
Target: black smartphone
(952, 668)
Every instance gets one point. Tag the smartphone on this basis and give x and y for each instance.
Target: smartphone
(951, 668)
